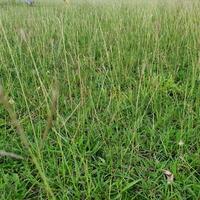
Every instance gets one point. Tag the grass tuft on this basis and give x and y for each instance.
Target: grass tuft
(123, 108)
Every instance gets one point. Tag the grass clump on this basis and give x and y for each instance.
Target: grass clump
(127, 108)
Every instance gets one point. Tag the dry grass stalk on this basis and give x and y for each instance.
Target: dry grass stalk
(4, 100)
(51, 114)
(11, 155)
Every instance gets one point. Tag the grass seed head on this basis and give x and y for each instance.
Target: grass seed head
(23, 34)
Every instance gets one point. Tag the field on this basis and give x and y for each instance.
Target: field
(99, 99)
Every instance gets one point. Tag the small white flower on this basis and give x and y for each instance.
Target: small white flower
(181, 143)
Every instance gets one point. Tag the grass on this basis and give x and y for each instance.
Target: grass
(99, 99)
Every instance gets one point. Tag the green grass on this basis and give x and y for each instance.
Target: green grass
(128, 76)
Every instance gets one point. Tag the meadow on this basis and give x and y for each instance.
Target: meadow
(98, 99)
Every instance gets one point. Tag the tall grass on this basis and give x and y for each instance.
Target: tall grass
(128, 102)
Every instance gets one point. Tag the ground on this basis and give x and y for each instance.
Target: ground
(107, 97)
